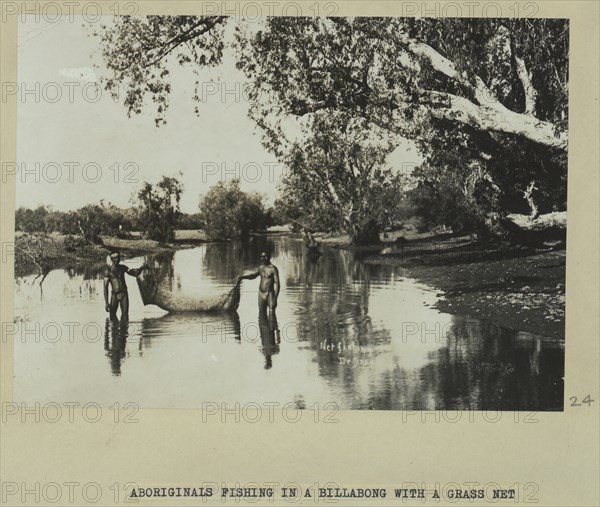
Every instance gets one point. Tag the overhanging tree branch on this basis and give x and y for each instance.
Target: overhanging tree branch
(186, 36)
(452, 107)
(488, 113)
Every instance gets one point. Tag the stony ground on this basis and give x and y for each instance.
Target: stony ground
(517, 287)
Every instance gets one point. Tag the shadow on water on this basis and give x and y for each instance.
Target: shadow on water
(359, 335)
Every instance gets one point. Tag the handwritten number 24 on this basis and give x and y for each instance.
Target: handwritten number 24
(587, 401)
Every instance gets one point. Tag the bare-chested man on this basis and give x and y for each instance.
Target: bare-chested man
(268, 290)
(115, 276)
(311, 243)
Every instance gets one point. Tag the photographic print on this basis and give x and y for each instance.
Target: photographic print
(351, 213)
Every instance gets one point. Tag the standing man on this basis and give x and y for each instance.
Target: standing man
(115, 276)
(268, 290)
(311, 243)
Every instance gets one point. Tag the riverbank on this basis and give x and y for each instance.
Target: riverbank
(57, 251)
(515, 287)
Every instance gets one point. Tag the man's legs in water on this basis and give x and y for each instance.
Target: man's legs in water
(266, 300)
(121, 299)
(114, 304)
(271, 302)
(125, 306)
(263, 301)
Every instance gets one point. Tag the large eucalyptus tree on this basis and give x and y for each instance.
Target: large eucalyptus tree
(486, 99)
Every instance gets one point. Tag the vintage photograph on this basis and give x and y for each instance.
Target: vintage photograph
(351, 213)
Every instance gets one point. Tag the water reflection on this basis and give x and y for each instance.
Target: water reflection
(270, 336)
(115, 341)
(90, 271)
(358, 335)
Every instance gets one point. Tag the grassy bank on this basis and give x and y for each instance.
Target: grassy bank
(58, 252)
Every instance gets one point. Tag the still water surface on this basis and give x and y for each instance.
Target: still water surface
(358, 335)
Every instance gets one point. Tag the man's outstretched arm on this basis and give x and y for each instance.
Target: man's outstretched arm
(136, 271)
(250, 276)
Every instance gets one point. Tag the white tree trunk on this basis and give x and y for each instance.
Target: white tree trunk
(487, 112)
(558, 220)
(495, 119)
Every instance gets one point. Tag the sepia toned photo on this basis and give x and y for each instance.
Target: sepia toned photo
(350, 213)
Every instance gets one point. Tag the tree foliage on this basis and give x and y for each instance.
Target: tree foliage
(137, 52)
(337, 178)
(471, 93)
(95, 220)
(405, 74)
(158, 208)
(486, 100)
(34, 220)
(89, 222)
(228, 212)
(190, 221)
(467, 180)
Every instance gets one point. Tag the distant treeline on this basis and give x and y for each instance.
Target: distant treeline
(93, 219)
(225, 212)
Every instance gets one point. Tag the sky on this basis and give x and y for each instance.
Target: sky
(76, 145)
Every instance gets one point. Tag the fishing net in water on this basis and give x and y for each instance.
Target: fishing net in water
(155, 290)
